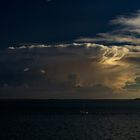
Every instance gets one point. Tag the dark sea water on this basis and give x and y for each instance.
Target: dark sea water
(29, 124)
(41, 126)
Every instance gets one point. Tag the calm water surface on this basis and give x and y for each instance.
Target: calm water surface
(41, 126)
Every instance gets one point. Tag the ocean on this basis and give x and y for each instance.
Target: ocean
(28, 123)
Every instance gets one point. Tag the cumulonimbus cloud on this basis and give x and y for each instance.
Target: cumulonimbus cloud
(71, 66)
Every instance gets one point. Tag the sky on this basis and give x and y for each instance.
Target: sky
(74, 49)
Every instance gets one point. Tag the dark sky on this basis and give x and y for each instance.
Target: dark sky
(40, 21)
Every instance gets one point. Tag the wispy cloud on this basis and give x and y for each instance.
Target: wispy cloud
(112, 38)
(130, 24)
(126, 30)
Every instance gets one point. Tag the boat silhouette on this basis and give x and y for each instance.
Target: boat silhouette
(84, 111)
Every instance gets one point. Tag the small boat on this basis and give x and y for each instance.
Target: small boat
(83, 111)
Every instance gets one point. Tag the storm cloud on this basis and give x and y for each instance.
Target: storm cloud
(75, 70)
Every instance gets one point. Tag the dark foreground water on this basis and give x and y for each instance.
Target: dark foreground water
(107, 120)
(41, 126)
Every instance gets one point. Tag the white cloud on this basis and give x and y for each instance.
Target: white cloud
(110, 55)
(11, 48)
(130, 23)
(43, 71)
(127, 30)
(26, 69)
